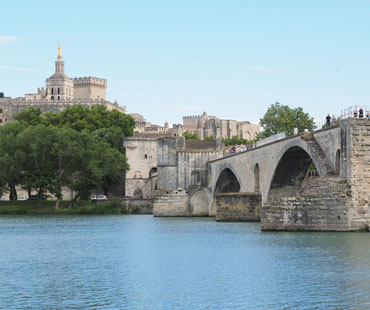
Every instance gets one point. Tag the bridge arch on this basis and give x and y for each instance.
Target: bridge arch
(227, 182)
(289, 173)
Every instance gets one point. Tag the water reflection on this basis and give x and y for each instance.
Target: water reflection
(141, 262)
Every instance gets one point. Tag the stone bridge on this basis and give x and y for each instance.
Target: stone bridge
(336, 197)
(277, 169)
(314, 181)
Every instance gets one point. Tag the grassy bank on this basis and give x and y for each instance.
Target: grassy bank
(48, 208)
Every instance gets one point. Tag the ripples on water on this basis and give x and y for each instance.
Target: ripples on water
(141, 262)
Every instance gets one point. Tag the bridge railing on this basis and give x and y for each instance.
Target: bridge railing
(354, 111)
(350, 112)
(278, 136)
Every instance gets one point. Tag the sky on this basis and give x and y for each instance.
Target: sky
(168, 59)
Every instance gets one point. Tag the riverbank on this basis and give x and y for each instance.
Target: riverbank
(48, 208)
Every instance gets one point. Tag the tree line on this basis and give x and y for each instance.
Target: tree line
(80, 148)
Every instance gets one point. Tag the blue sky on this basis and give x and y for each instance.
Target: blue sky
(167, 59)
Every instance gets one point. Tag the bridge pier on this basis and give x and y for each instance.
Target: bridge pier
(238, 207)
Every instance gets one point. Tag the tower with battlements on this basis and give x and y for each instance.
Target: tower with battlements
(89, 88)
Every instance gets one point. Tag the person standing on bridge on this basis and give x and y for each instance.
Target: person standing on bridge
(361, 113)
(328, 118)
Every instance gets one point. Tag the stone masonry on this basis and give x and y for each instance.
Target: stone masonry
(238, 207)
(357, 137)
(321, 205)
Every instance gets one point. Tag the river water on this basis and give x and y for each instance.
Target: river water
(141, 262)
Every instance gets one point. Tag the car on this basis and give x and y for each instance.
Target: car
(22, 198)
(98, 197)
(36, 197)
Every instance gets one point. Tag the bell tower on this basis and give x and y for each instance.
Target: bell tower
(59, 86)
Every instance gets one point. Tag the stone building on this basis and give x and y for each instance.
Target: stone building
(141, 152)
(142, 126)
(61, 92)
(182, 176)
(207, 125)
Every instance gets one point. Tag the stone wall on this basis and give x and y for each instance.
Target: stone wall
(141, 154)
(329, 140)
(323, 204)
(138, 206)
(306, 214)
(238, 207)
(10, 106)
(357, 132)
(89, 88)
(171, 203)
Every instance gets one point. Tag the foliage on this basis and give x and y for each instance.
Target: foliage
(109, 126)
(80, 148)
(31, 116)
(209, 138)
(190, 136)
(281, 118)
(47, 208)
(1, 95)
(235, 140)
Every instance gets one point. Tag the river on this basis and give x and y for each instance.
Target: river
(141, 262)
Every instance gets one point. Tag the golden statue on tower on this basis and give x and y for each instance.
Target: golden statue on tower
(59, 51)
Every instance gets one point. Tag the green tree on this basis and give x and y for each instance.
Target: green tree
(38, 166)
(190, 136)
(281, 118)
(109, 126)
(235, 140)
(91, 119)
(1, 95)
(209, 138)
(31, 116)
(11, 158)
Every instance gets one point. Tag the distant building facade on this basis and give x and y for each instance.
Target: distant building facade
(142, 126)
(211, 126)
(60, 93)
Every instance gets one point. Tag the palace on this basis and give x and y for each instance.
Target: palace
(61, 92)
(211, 126)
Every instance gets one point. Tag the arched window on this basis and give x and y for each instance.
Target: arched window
(52, 97)
(58, 90)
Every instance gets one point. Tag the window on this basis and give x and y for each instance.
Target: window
(6, 119)
(1, 120)
(145, 156)
(58, 97)
(58, 90)
(52, 97)
(52, 91)
(1, 110)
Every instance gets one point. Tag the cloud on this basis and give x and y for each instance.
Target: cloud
(264, 69)
(21, 69)
(8, 39)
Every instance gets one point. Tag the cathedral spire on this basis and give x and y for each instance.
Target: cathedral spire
(59, 52)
